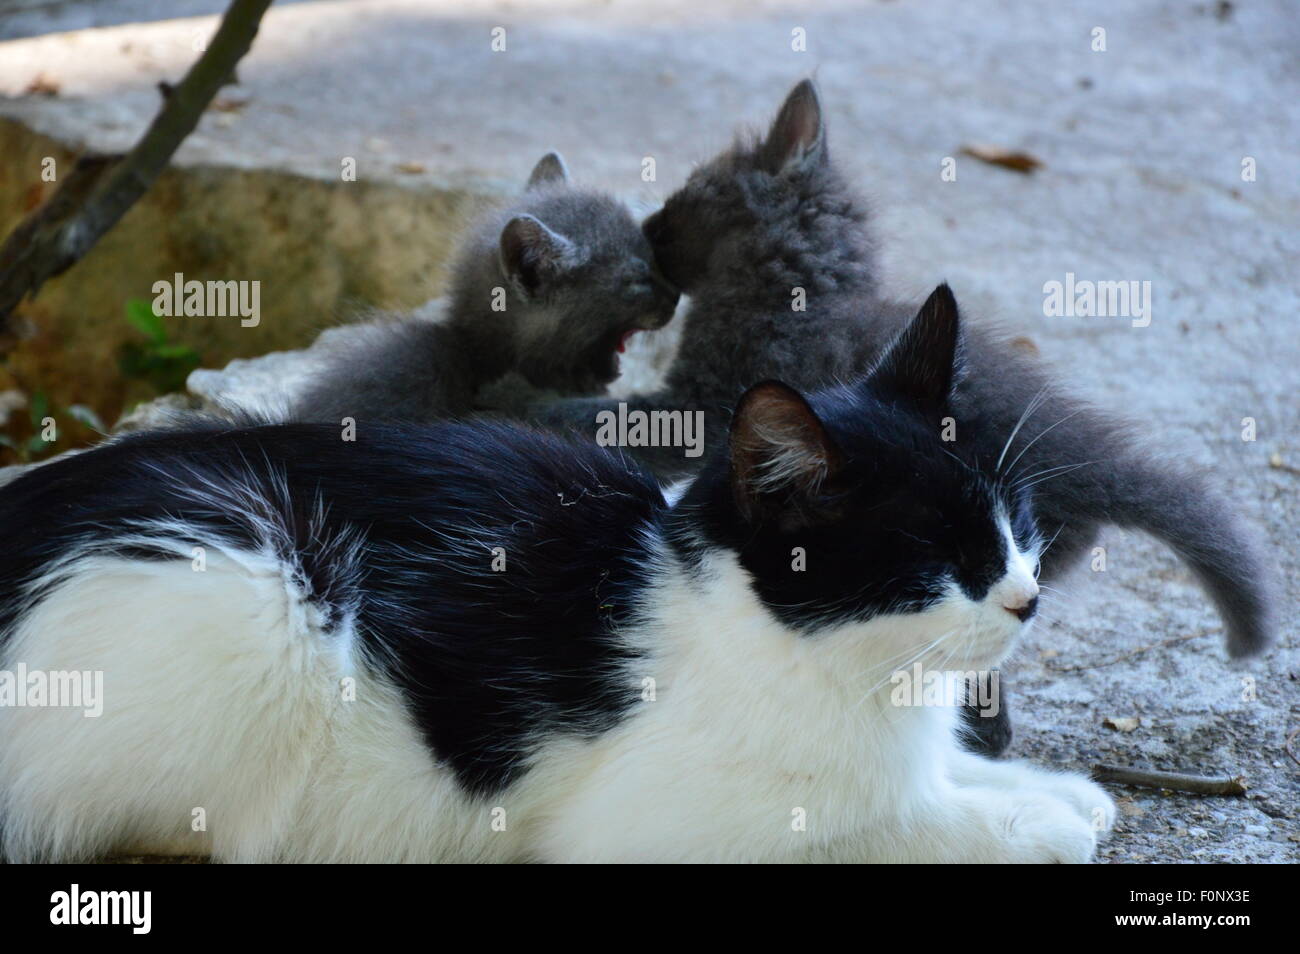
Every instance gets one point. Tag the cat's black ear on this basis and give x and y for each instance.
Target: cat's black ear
(797, 139)
(781, 455)
(550, 169)
(532, 254)
(921, 364)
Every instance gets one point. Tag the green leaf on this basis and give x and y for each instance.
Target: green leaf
(175, 352)
(38, 410)
(164, 367)
(140, 313)
(87, 416)
(37, 444)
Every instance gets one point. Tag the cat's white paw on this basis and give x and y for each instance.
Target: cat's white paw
(1046, 830)
(1086, 797)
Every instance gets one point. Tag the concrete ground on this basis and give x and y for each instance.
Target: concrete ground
(1144, 149)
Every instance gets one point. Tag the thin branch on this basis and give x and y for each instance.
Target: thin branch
(1174, 781)
(100, 189)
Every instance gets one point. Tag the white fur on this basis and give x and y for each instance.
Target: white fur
(222, 693)
(675, 491)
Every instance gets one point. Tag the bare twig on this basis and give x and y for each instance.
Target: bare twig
(1174, 781)
(1172, 641)
(100, 190)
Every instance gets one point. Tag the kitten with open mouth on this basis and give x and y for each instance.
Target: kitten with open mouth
(547, 289)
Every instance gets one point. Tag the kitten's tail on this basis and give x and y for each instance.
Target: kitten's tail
(1203, 528)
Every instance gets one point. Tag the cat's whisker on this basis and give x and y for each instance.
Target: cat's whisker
(912, 655)
(1052, 590)
(1012, 466)
(1053, 473)
(1043, 552)
(1038, 473)
(889, 663)
(1030, 408)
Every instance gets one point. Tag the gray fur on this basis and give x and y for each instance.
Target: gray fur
(577, 276)
(771, 215)
(549, 169)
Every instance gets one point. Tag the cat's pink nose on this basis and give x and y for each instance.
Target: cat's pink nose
(1023, 608)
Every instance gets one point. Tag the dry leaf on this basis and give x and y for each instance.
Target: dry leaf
(1121, 723)
(1006, 158)
(1025, 346)
(42, 85)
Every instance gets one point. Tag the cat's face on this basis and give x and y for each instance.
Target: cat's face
(855, 519)
(699, 223)
(702, 229)
(584, 281)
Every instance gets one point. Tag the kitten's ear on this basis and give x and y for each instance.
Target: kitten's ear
(550, 169)
(781, 455)
(531, 254)
(797, 139)
(921, 364)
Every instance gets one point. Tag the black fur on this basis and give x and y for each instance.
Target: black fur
(487, 660)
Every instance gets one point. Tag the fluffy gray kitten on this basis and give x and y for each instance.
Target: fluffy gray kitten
(548, 288)
(767, 226)
(772, 215)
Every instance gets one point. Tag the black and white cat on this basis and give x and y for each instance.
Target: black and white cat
(544, 293)
(478, 642)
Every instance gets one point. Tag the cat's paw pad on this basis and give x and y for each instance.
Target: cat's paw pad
(1050, 831)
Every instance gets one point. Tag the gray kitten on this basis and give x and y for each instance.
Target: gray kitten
(576, 278)
(772, 215)
(764, 228)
